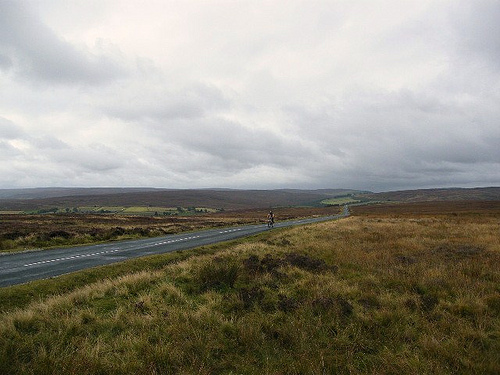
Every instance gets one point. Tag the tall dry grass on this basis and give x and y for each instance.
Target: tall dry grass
(362, 295)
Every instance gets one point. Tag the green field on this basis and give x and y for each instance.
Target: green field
(166, 210)
(338, 201)
(125, 210)
(134, 210)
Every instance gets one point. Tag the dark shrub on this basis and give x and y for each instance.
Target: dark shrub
(339, 305)
(369, 302)
(118, 231)
(287, 304)
(428, 302)
(252, 265)
(306, 262)
(13, 235)
(270, 264)
(406, 260)
(59, 233)
(249, 296)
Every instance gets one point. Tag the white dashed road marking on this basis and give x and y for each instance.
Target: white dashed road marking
(230, 230)
(104, 252)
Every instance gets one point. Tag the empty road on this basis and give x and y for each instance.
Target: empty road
(18, 268)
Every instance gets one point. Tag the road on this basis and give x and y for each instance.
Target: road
(19, 268)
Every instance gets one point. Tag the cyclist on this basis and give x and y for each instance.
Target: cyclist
(270, 219)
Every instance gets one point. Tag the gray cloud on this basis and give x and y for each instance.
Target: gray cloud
(35, 51)
(242, 147)
(379, 95)
(47, 157)
(9, 130)
(48, 142)
(5, 62)
(478, 30)
(403, 138)
(95, 158)
(159, 103)
(7, 151)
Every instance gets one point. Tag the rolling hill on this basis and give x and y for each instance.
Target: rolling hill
(426, 195)
(227, 199)
(54, 192)
(217, 198)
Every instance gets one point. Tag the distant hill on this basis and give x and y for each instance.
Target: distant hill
(216, 198)
(52, 192)
(425, 195)
(227, 199)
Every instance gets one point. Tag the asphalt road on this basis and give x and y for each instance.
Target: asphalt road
(19, 268)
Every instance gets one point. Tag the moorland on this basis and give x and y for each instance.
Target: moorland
(20, 232)
(395, 288)
(54, 217)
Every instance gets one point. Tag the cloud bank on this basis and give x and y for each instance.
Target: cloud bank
(379, 95)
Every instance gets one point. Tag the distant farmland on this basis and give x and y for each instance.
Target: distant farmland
(339, 201)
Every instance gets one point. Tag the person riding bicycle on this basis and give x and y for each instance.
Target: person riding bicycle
(270, 217)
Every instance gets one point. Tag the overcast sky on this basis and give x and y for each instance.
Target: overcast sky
(375, 95)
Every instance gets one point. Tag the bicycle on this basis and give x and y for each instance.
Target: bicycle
(270, 223)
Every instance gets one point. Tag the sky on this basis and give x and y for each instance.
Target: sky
(371, 95)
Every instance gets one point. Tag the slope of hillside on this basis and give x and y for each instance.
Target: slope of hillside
(227, 199)
(34, 199)
(451, 194)
(52, 192)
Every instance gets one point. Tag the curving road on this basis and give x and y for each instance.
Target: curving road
(18, 268)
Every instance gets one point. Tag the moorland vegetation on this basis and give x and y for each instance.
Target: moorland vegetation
(26, 231)
(387, 291)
